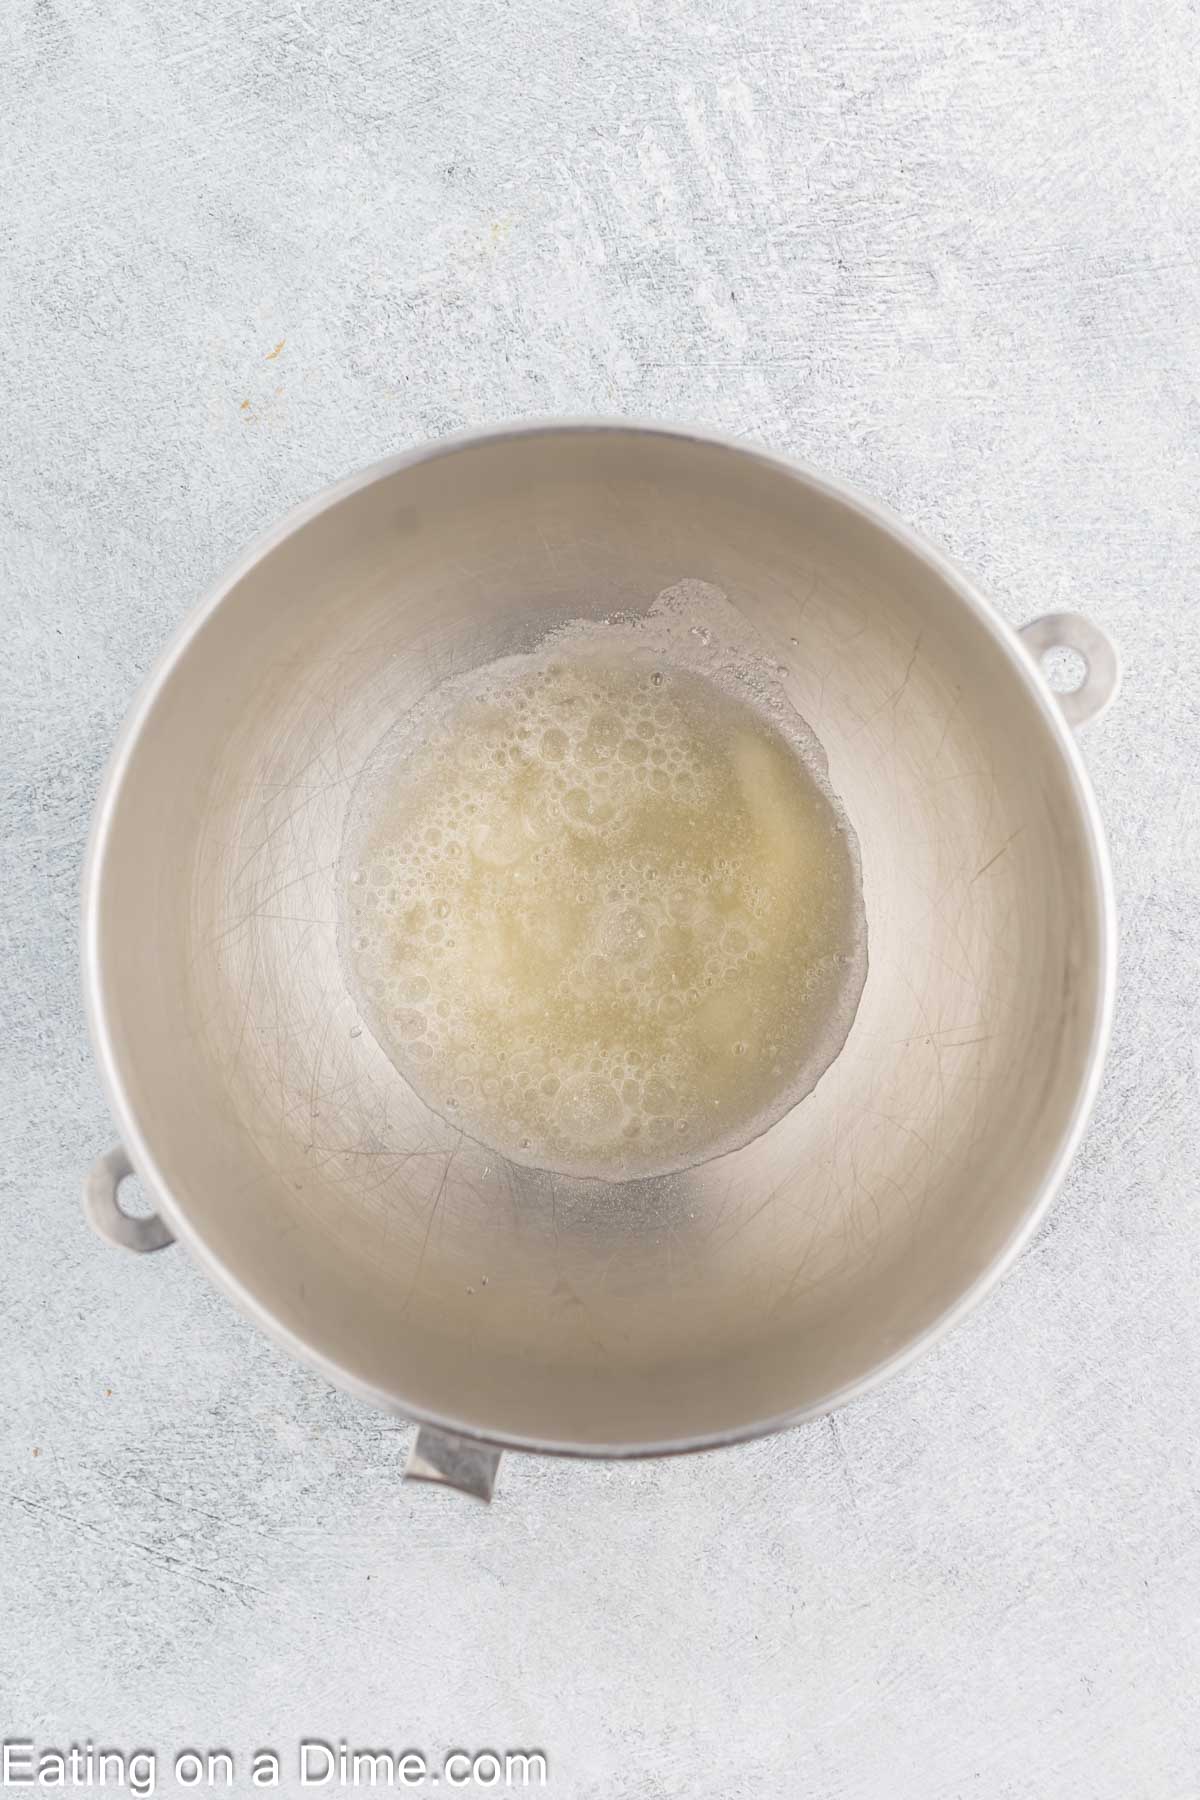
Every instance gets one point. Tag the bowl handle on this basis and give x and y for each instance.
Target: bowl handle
(453, 1461)
(1102, 672)
(105, 1215)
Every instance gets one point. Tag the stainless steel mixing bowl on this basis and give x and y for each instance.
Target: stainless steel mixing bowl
(508, 1307)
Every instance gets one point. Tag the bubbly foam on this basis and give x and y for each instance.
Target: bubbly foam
(603, 912)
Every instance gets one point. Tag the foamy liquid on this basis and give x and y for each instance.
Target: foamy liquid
(602, 914)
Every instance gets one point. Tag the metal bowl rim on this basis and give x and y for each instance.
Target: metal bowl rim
(876, 514)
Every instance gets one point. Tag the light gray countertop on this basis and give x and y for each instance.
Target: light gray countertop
(947, 250)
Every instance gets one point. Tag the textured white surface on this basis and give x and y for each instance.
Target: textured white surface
(946, 249)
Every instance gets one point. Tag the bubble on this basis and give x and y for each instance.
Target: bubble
(585, 809)
(604, 733)
(625, 932)
(590, 1109)
(539, 816)
(499, 839)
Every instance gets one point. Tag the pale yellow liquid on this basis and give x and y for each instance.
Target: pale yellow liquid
(603, 916)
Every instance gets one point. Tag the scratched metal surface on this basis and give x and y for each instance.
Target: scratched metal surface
(945, 250)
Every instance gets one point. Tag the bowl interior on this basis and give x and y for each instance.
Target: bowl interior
(413, 1263)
